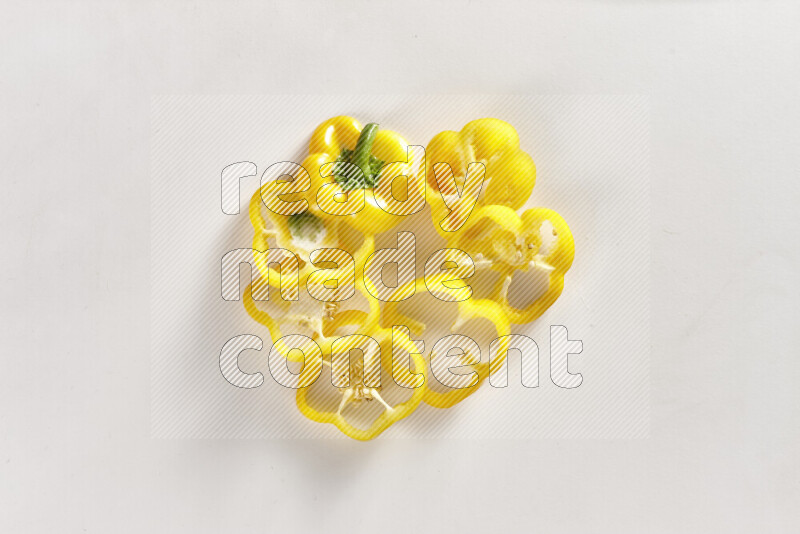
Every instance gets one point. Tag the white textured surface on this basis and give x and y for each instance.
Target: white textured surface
(75, 452)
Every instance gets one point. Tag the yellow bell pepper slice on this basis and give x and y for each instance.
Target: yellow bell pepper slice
(358, 393)
(467, 310)
(538, 240)
(547, 245)
(510, 172)
(302, 234)
(379, 155)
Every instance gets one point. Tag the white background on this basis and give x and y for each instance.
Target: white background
(75, 451)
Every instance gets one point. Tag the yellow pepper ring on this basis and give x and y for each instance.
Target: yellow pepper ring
(280, 231)
(389, 416)
(510, 172)
(508, 243)
(467, 310)
(557, 259)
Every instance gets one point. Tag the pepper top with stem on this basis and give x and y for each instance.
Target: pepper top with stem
(361, 156)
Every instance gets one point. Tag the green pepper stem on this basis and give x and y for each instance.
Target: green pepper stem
(364, 147)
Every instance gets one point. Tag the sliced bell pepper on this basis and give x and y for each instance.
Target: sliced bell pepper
(467, 310)
(510, 172)
(358, 393)
(373, 155)
(499, 239)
